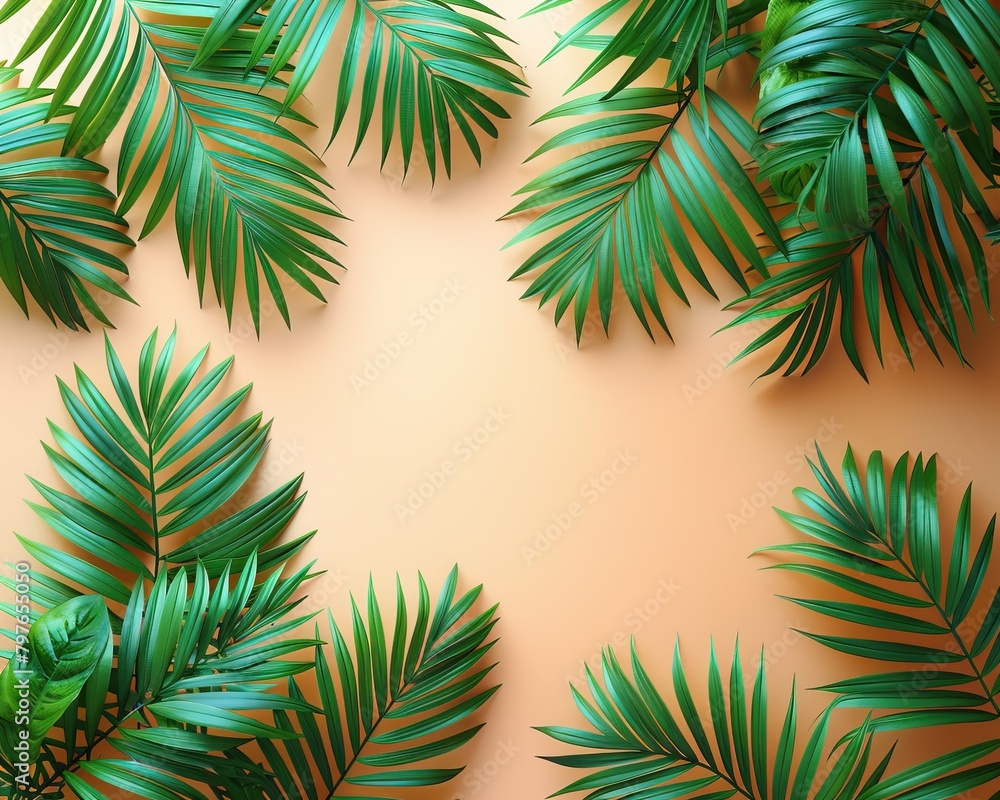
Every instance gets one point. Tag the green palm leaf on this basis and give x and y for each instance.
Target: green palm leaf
(244, 205)
(182, 688)
(921, 607)
(56, 228)
(894, 132)
(391, 706)
(636, 743)
(621, 202)
(435, 66)
(154, 471)
(637, 746)
(202, 628)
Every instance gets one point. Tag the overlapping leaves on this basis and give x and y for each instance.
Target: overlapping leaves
(183, 679)
(434, 66)
(202, 629)
(245, 205)
(58, 655)
(876, 135)
(894, 122)
(57, 230)
(923, 608)
(636, 746)
(392, 709)
(622, 204)
(152, 469)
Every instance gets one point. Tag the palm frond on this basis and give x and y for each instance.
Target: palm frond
(881, 131)
(244, 201)
(622, 201)
(394, 706)
(921, 607)
(435, 66)
(183, 687)
(636, 746)
(201, 630)
(56, 225)
(152, 470)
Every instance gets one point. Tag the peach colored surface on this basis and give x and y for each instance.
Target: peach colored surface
(658, 549)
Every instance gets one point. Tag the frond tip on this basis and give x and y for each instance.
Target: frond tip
(638, 747)
(438, 66)
(57, 229)
(391, 706)
(915, 601)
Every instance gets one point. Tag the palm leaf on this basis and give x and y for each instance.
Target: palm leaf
(154, 471)
(637, 746)
(392, 706)
(888, 133)
(435, 66)
(631, 184)
(244, 204)
(202, 629)
(921, 607)
(55, 224)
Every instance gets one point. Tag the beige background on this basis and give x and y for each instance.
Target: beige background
(657, 554)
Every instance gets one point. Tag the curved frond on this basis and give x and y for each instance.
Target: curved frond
(201, 630)
(632, 184)
(637, 746)
(637, 743)
(391, 706)
(56, 226)
(881, 130)
(244, 201)
(154, 475)
(922, 608)
(437, 65)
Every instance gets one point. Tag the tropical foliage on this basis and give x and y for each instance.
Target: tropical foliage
(924, 619)
(401, 702)
(434, 66)
(637, 747)
(880, 540)
(243, 200)
(50, 206)
(863, 169)
(204, 93)
(634, 178)
(157, 631)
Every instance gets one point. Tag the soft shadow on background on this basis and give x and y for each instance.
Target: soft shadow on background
(599, 493)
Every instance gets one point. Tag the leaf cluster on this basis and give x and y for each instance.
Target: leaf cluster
(163, 624)
(864, 170)
(204, 97)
